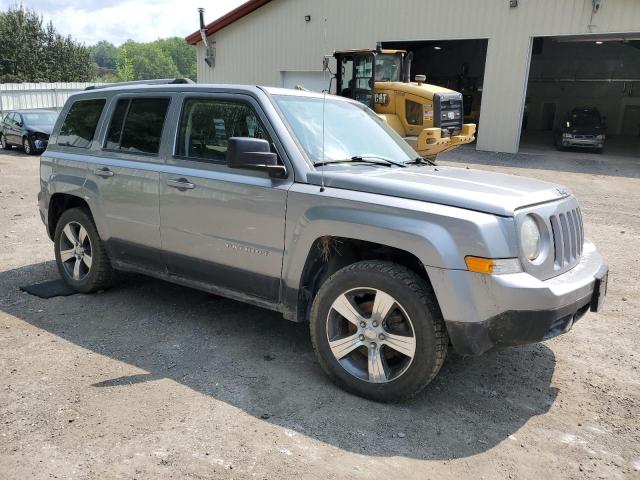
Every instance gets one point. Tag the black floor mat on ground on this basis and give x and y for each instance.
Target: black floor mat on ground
(49, 289)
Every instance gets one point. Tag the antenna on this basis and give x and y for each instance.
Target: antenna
(324, 101)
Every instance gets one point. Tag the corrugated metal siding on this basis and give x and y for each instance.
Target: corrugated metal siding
(14, 96)
(275, 38)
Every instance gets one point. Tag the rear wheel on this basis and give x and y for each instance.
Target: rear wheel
(377, 330)
(80, 254)
(3, 142)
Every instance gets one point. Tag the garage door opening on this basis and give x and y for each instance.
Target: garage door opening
(455, 64)
(583, 94)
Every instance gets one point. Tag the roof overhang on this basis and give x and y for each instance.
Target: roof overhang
(227, 19)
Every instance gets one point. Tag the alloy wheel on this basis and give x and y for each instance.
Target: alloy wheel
(371, 335)
(27, 146)
(75, 251)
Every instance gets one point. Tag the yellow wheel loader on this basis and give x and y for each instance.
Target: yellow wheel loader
(428, 117)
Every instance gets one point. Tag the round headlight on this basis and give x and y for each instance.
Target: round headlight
(530, 238)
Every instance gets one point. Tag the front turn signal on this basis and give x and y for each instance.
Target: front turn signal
(493, 266)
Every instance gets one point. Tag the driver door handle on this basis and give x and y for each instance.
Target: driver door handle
(103, 172)
(180, 184)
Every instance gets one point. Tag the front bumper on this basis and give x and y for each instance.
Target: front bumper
(430, 142)
(582, 143)
(484, 311)
(40, 144)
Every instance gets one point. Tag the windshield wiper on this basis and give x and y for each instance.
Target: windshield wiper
(361, 159)
(425, 160)
(364, 158)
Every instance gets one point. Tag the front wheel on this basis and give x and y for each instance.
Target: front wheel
(26, 145)
(80, 254)
(377, 330)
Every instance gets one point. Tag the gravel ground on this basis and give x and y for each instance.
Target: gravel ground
(152, 380)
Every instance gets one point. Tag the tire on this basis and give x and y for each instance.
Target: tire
(3, 142)
(27, 147)
(388, 361)
(599, 150)
(79, 274)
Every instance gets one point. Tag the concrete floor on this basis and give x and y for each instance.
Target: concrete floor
(616, 146)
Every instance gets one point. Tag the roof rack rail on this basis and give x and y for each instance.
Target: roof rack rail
(159, 81)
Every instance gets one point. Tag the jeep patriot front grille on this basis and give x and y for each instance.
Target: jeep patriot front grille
(568, 237)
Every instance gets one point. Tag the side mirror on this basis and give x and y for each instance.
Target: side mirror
(254, 154)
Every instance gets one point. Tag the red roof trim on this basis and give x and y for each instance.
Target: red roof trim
(226, 20)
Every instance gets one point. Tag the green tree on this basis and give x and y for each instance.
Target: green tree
(33, 53)
(124, 66)
(182, 54)
(150, 61)
(104, 54)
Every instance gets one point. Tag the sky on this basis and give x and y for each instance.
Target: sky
(117, 21)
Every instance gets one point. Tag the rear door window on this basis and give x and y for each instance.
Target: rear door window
(206, 126)
(136, 125)
(80, 124)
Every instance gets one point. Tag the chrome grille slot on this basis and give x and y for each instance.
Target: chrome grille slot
(568, 237)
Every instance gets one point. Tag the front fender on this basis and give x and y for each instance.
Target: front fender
(438, 235)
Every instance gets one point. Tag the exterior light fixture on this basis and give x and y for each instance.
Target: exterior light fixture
(513, 3)
(437, 48)
(599, 42)
(307, 18)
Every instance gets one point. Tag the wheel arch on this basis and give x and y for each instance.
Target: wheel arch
(60, 203)
(328, 254)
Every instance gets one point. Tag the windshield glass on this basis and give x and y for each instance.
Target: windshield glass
(585, 119)
(388, 67)
(350, 130)
(40, 118)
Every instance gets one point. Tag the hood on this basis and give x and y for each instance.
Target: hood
(585, 130)
(46, 129)
(479, 190)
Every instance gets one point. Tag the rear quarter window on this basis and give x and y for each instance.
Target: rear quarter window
(80, 124)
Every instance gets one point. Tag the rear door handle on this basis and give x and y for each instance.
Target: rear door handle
(181, 184)
(103, 172)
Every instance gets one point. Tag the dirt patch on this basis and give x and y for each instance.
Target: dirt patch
(152, 380)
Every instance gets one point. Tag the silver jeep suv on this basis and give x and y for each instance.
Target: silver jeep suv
(312, 206)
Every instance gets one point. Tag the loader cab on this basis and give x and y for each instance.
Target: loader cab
(359, 70)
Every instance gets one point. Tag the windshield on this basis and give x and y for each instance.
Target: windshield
(350, 129)
(388, 67)
(40, 118)
(585, 119)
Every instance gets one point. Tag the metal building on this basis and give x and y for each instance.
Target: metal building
(487, 47)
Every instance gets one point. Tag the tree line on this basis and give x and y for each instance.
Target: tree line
(162, 58)
(31, 51)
